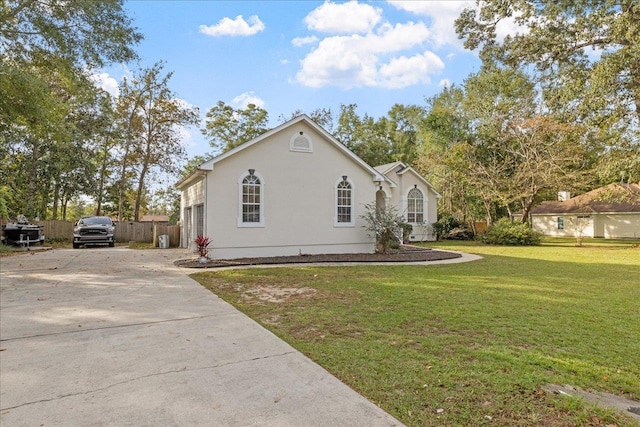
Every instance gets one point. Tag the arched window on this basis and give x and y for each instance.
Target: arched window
(344, 202)
(252, 200)
(415, 206)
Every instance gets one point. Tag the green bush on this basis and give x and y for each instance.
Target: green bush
(444, 225)
(384, 225)
(505, 232)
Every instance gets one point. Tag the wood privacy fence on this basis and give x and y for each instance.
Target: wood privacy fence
(142, 232)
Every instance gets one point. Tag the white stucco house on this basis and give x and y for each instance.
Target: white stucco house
(297, 190)
(610, 212)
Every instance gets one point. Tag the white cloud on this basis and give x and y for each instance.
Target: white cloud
(509, 27)
(402, 72)
(354, 61)
(107, 83)
(445, 83)
(244, 99)
(442, 15)
(345, 18)
(234, 27)
(186, 137)
(301, 41)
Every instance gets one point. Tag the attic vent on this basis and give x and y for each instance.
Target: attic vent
(301, 142)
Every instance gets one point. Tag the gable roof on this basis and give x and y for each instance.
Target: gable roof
(612, 198)
(210, 164)
(400, 169)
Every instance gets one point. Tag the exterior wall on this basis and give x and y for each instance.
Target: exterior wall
(616, 226)
(548, 225)
(298, 196)
(190, 197)
(609, 226)
(420, 232)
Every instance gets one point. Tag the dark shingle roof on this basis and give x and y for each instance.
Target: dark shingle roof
(612, 198)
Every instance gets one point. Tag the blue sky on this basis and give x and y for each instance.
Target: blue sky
(300, 55)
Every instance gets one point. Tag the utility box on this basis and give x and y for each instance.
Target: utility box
(163, 241)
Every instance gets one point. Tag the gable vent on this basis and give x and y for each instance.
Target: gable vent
(301, 142)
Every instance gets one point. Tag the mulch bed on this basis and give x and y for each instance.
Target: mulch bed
(404, 254)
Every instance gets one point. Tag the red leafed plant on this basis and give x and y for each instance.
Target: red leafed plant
(202, 242)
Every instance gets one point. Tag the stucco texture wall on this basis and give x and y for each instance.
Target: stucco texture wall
(298, 197)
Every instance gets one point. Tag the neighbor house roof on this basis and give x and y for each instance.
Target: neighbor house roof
(210, 164)
(612, 198)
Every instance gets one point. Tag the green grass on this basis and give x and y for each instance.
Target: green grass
(465, 344)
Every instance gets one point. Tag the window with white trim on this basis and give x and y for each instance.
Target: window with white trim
(560, 223)
(199, 220)
(251, 200)
(415, 206)
(344, 203)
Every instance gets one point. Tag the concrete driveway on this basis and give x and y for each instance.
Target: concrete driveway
(119, 337)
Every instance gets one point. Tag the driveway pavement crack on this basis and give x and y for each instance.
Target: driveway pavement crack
(157, 374)
(103, 327)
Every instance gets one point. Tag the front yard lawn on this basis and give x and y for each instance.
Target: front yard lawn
(464, 344)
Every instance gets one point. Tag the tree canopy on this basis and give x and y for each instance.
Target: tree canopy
(226, 127)
(586, 57)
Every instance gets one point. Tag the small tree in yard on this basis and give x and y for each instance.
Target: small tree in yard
(383, 224)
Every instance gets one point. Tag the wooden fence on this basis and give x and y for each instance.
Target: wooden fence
(142, 232)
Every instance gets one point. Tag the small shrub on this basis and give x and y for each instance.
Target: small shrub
(383, 224)
(406, 230)
(56, 240)
(445, 225)
(459, 233)
(505, 232)
(202, 243)
(5, 249)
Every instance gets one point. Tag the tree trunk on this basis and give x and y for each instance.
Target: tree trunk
(527, 210)
(143, 173)
(103, 172)
(56, 199)
(33, 179)
(122, 182)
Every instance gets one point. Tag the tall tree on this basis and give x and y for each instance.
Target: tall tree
(405, 124)
(129, 124)
(446, 128)
(587, 56)
(82, 33)
(497, 148)
(227, 127)
(364, 136)
(155, 119)
(46, 50)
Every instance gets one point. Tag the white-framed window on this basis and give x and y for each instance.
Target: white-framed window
(188, 220)
(251, 200)
(344, 203)
(199, 219)
(415, 206)
(560, 222)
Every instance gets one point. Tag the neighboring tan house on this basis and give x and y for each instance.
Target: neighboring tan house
(612, 212)
(296, 190)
